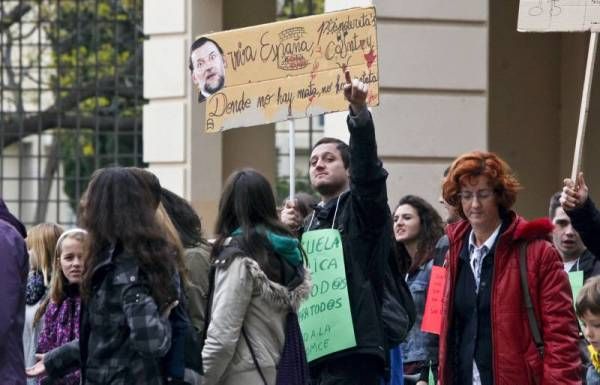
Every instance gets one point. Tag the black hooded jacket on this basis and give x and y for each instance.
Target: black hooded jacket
(586, 220)
(364, 221)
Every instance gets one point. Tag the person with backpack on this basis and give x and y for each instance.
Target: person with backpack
(507, 315)
(256, 286)
(417, 227)
(352, 184)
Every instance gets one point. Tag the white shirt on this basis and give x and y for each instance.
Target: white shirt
(477, 254)
(570, 264)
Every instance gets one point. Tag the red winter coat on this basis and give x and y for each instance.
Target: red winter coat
(515, 358)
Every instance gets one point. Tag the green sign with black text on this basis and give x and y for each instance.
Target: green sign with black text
(325, 318)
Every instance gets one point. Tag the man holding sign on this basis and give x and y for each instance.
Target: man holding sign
(348, 240)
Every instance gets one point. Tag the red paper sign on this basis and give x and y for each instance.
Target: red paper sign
(432, 317)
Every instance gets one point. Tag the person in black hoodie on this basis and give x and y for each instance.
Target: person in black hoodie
(352, 184)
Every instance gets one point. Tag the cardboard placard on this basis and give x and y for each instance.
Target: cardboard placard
(287, 69)
(325, 318)
(576, 281)
(432, 316)
(559, 15)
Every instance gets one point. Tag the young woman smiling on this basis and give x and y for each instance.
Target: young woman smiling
(417, 228)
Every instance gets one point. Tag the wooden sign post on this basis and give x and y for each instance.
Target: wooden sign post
(585, 105)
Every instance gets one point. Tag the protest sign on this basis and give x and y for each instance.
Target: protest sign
(282, 70)
(576, 282)
(559, 15)
(325, 318)
(567, 16)
(432, 315)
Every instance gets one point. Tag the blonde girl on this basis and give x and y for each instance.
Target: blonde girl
(41, 242)
(62, 307)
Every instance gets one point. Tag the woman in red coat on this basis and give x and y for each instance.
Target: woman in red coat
(486, 338)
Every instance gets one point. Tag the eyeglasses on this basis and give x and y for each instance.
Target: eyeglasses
(467, 196)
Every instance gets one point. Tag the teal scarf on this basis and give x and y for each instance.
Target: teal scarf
(283, 245)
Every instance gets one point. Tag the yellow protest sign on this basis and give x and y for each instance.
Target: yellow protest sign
(287, 69)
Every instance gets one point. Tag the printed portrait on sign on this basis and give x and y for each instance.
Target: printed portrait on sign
(207, 65)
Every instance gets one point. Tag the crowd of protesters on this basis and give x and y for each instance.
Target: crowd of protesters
(138, 295)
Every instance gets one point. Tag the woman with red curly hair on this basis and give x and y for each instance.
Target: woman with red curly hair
(486, 336)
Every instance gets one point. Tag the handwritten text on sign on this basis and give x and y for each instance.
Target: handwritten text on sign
(432, 316)
(325, 318)
(292, 68)
(559, 15)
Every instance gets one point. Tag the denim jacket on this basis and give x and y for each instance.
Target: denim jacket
(419, 346)
(592, 376)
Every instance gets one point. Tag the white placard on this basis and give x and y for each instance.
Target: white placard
(559, 15)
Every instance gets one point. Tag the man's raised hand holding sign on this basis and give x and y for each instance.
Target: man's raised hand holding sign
(355, 92)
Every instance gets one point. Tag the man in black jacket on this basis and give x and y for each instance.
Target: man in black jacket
(352, 185)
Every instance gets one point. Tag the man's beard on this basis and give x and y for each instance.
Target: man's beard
(212, 90)
(330, 189)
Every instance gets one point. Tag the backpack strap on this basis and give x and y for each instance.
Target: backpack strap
(533, 323)
(262, 376)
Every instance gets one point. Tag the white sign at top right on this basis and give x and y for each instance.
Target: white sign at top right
(559, 15)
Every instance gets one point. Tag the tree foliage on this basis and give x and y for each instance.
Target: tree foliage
(74, 67)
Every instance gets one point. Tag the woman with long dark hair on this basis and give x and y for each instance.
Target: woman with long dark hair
(196, 253)
(127, 289)
(417, 228)
(254, 289)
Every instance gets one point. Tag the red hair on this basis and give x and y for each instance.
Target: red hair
(478, 163)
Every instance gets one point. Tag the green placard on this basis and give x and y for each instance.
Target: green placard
(325, 317)
(576, 281)
(431, 380)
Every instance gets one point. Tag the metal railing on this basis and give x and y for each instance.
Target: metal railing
(70, 100)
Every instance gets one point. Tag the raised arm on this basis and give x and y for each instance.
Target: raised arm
(367, 176)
